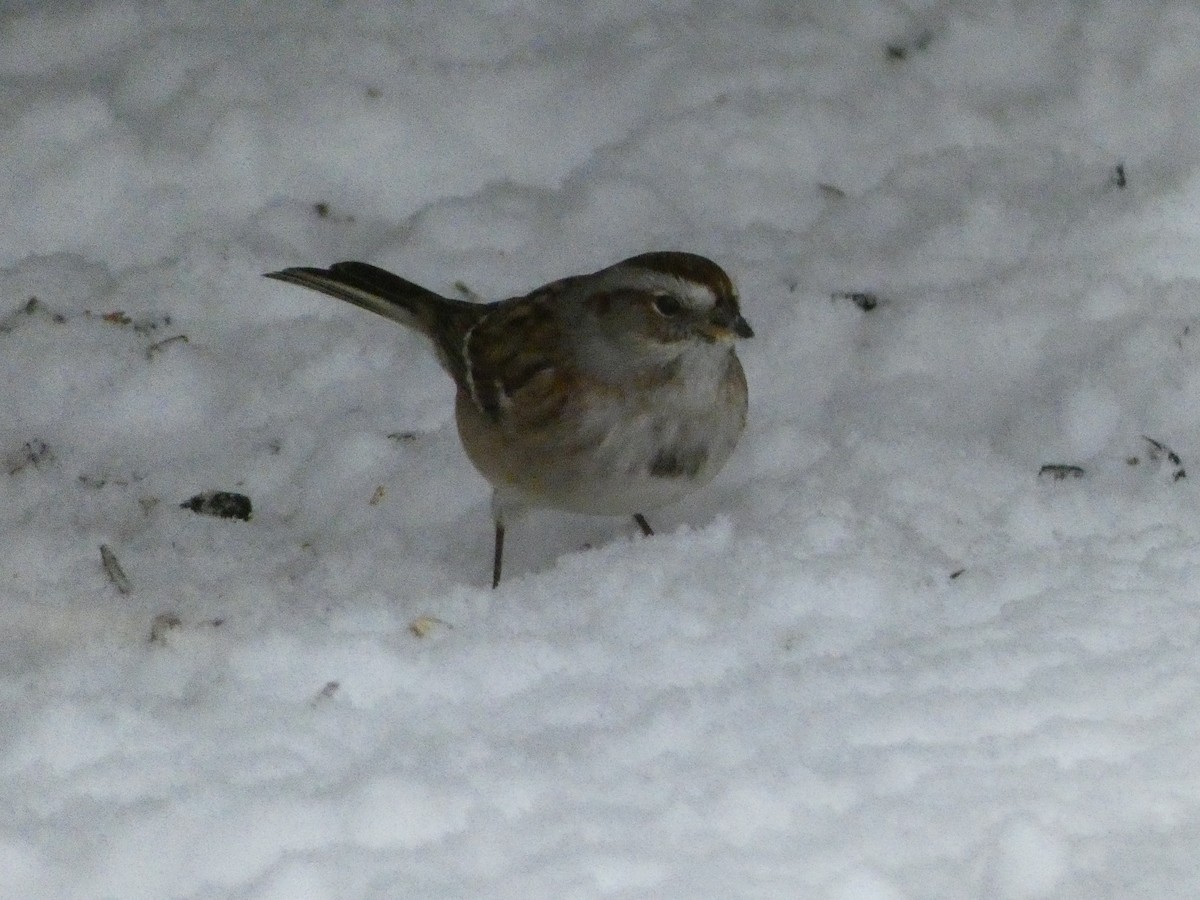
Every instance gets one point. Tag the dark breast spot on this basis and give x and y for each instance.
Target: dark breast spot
(678, 462)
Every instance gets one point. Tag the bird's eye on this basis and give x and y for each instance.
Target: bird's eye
(667, 306)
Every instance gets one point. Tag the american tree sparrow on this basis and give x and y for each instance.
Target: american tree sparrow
(610, 393)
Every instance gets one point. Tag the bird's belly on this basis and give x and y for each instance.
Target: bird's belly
(607, 461)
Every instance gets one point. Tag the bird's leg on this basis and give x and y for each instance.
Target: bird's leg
(643, 524)
(498, 553)
(499, 511)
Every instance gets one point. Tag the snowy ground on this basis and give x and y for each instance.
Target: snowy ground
(881, 657)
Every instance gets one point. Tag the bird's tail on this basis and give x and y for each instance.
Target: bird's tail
(381, 292)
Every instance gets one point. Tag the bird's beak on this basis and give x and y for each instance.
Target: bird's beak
(742, 328)
(725, 327)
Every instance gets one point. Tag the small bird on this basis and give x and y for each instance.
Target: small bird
(610, 393)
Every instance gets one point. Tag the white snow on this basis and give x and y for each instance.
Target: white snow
(881, 657)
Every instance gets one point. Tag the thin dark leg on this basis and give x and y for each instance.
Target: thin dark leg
(498, 556)
(643, 524)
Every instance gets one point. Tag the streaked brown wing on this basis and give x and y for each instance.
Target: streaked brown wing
(517, 349)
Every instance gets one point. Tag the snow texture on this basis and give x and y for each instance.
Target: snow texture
(932, 633)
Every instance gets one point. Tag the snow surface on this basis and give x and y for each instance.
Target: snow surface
(881, 657)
